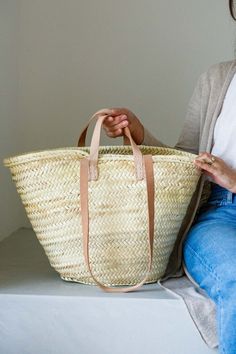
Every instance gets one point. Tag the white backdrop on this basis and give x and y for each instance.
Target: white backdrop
(61, 60)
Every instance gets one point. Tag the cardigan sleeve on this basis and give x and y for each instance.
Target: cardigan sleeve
(189, 137)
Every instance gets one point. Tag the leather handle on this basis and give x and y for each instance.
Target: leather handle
(82, 137)
(84, 171)
(93, 157)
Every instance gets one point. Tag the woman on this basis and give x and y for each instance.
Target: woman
(209, 247)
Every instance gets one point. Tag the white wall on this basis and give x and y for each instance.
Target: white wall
(75, 57)
(11, 213)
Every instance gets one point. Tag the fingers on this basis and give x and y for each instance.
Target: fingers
(205, 166)
(115, 134)
(116, 120)
(212, 169)
(204, 162)
(113, 111)
(114, 125)
(116, 130)
(205, 157)
(105, 111)
(112, 121)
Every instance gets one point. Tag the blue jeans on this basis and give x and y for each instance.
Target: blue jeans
(209, 253)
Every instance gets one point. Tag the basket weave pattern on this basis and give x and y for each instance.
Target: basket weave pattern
(48, 184)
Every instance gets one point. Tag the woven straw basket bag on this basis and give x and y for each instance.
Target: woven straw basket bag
(106, 215)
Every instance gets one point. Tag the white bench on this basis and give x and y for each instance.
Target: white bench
(42, 314)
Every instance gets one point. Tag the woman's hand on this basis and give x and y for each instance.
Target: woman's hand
(117, 119)
(218, 170)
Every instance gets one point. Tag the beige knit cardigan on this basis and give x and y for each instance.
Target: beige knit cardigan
(197, 136)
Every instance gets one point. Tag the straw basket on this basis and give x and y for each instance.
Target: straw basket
(106, 215)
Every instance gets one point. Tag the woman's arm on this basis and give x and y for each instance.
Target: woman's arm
(118, 118)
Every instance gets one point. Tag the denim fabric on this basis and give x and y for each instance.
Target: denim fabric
(209, 253)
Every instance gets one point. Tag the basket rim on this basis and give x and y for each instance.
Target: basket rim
(37, 155)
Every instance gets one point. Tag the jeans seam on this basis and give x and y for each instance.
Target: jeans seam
(220, 323)
(218, 293)
(204, 264)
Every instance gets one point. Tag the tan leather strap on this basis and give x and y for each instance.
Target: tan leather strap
(82, 137)
(84, 171)
(93, 157)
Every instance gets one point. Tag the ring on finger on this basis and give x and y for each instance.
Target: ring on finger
(213, 159)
